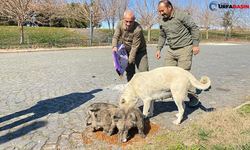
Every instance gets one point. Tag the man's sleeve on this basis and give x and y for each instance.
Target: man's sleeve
(162, 38)
(116, 35)
(135, 45)
(190, 24)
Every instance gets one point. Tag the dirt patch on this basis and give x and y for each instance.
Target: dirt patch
(134, 139)
(86, 140)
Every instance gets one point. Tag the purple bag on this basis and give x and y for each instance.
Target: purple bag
(120, 60)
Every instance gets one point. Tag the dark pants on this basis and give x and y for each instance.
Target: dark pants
(141, 62)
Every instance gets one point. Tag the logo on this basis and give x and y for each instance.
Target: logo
(214, 5)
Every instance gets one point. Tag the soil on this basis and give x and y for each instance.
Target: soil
(134, 139)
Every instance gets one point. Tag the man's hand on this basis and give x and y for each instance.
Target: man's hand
(114, 49)
(196, 50)
(158, 54)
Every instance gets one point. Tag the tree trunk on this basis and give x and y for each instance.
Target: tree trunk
(206, 32)
(113, 27)
(149, 33)
(68, 22)
(22, 36)
(230, 31)
(108, 24)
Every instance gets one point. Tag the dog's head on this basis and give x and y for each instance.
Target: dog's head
(128, 96)
(128, 101)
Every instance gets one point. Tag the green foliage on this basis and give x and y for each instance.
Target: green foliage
(244, 110)
(214, 36)
(107, 31)
(72, 22)
(238, 147)
(5, 22)
(204, 134)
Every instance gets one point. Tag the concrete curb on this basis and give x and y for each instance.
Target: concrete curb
(91, 47)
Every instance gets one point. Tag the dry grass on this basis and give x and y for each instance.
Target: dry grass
(221, 129)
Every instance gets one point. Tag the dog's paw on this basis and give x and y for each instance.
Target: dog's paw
(146, 115)
(150, 114)
(143, 135)
(108, 133)
(124, 140)
(176, 122)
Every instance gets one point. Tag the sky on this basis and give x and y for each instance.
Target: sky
(183, 2)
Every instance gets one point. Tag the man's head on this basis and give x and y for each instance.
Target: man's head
(129, 19)
(165, 8)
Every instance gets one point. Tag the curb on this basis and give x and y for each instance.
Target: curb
(91, 47)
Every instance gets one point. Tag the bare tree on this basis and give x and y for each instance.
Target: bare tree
(65, 10)
(115, 10)
(147, 14)
(190, 6)
(111, 14)
(18, 10)
(205, 16)
(122, 7)
(237, 16)
(82, 11)
(48, 10)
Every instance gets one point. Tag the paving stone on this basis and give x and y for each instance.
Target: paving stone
(47, 132)
(30, 145)
(5, 145)
(40, 140)
(49, 147)
(53, 138)
(23, 143)
(64, 142)
(57, 87)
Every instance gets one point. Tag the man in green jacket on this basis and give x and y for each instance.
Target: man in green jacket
(182, 35)
(131, 34)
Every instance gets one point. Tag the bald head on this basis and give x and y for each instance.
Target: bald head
(129, 19)
(129, 14)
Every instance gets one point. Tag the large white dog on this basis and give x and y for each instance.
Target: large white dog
(161, 83)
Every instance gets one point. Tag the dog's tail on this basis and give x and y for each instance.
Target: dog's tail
(203, 84)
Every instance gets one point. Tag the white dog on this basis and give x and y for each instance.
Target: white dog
(161, 83)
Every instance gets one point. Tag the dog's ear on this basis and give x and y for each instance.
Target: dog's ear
(133, 118)
(120, 114)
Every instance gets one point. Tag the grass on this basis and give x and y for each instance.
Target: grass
(214, 36)
(244, 110)
(226, 129)
(42, 37)
(35, 37)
